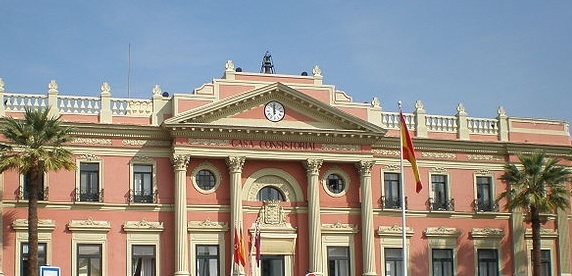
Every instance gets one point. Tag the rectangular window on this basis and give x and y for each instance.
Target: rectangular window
(143, 260)
(442, 262)
(393, 261)
(25, 253)
(485, 200)
(89, 260)
(338, 261)
(25, 189)
(488, 262)
(89, 182)
(392, 191)
(207, 260)
(440, 192)
(545, 263)
(143, 184)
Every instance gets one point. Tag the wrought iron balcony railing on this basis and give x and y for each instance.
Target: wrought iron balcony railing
(485, 206)
(441, 205)
(89, 195)
(143, 196)
(392, 202)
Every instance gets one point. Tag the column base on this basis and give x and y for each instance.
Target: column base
(182, 273)
(369, 274)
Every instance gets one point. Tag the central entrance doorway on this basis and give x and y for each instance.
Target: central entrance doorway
(272, 265)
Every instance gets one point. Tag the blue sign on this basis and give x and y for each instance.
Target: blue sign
(50, 271)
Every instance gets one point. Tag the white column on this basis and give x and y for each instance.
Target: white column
(235, 164)
(367, 233)
(181, 245)
(314, 223)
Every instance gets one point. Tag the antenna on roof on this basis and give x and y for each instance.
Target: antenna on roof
(129, 73)
(267, 66)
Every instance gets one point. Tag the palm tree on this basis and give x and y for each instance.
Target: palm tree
(34, 146)
(539, 186)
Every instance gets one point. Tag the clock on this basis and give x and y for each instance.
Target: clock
(274, 111)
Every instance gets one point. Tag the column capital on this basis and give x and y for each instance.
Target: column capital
(180, 161)
(313, 165)
(235, 163)
(364, 167)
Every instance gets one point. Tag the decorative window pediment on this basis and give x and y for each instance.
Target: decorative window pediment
(89, 225)
(206, 225)
(394, 231)
(339, 228)
(46, 225)
(441, 232)
(143, 226)
(487, 233)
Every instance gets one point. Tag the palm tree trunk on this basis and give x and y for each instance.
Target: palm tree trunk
(33, 191)
(536, 261)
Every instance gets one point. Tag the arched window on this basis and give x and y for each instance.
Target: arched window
(269, 193)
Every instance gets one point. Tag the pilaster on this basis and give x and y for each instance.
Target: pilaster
(315, 232)
(181, 244)
(563, 242)
(518, 249)
(364, 168)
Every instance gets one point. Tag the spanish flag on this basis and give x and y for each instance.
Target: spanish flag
(239, 252)
(409, 152)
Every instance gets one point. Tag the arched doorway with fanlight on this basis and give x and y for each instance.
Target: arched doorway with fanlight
(272, 193)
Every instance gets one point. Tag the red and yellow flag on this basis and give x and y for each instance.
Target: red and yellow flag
(239, 251)
(409, 151)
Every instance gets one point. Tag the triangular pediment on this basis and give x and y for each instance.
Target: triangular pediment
(245, 112)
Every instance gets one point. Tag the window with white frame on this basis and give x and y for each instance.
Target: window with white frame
(143, 260)
(89, 246)
(442, 262)
(545, 262)
(208, 260)
(338, 260)
(143, 247)
(335, 182)
(442, 243)
(24, 254)
(393, 261)
(89, 188)
(485, 201)
(207, 245)
(143, 188)
(89, 260)
(391, 190)
(45, 229)
(487, 262)
(440, 200)
(206, 178)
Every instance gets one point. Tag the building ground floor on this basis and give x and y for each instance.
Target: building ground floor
(139, 240)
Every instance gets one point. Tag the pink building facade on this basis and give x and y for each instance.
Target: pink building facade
(163, 184)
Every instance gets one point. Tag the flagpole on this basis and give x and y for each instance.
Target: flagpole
(402, 182)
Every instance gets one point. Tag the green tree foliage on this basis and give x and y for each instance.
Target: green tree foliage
(34, 145)
(537, 185)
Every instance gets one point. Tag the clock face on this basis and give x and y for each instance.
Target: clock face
(274, 111)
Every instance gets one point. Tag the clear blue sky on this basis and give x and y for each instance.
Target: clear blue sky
(484, 54)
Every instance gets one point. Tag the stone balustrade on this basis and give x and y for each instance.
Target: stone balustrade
(421, 124)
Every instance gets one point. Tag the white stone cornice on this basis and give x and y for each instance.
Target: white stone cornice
(486, 233)
(43, 225)
(440, 155)
(441, 232)
(143, 226)
(89, 225)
